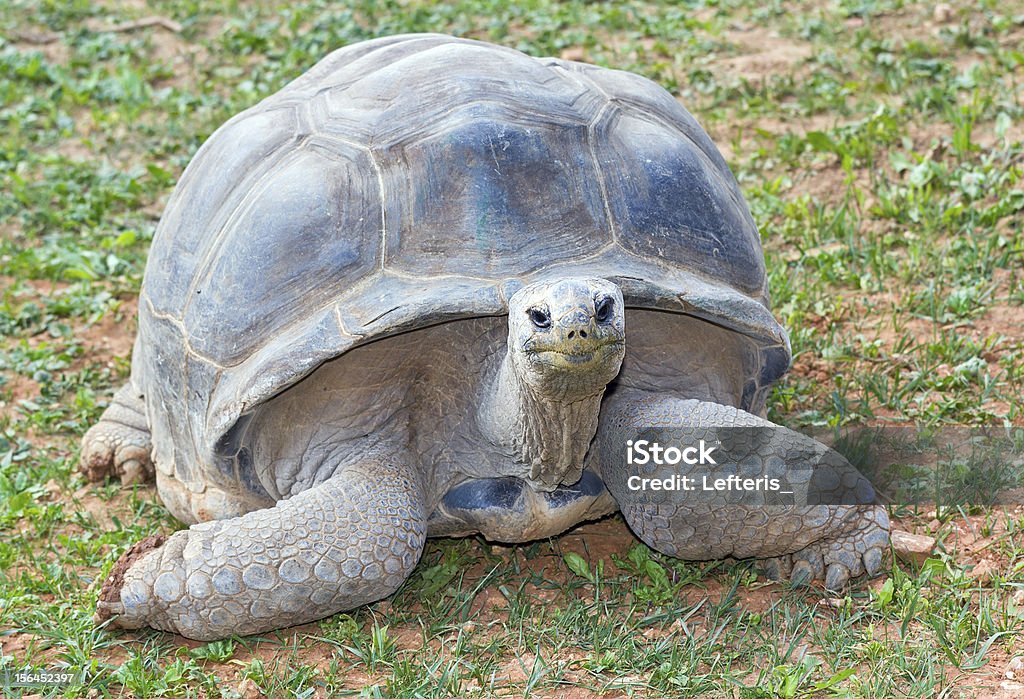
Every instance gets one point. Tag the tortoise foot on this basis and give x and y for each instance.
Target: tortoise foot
(119, 444)
(857, 551)
(109, 604)
(347, 542)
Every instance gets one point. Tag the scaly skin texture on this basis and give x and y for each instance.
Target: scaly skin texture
(349, 541)
(119, 444)
(804, 541)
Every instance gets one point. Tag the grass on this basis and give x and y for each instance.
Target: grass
(880, 151)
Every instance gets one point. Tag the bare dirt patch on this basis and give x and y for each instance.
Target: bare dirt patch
(762, 53)
(14, 389)
(45, 42)
(76, 149)
(999, 320)
(113, 335)
(920, 22)
(738, 136)
(182, 58)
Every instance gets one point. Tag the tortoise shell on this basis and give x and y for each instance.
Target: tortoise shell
(412, 180)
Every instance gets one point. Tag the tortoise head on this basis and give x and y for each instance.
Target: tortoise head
(567, 338)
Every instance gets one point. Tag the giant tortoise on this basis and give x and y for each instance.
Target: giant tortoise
(431, 288)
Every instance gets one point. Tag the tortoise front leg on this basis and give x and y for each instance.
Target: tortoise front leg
(831, 540)
(349, 541)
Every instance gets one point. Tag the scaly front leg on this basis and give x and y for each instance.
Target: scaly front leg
(351, 540)
(818, 535)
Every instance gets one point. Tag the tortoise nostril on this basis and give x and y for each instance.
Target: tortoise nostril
(572, 334)
(583, 333)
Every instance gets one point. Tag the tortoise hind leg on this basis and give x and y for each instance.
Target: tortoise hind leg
(119, 444)
(348, 541)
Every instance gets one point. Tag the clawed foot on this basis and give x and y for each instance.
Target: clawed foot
(346, 542)
(859, 551)
(109, 605)
(119, 444)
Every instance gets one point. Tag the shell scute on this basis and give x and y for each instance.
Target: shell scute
(219, 176)
(297, 242)
(670, 201)
(494, 196)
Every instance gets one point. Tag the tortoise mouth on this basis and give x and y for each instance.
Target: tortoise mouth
(576, 356)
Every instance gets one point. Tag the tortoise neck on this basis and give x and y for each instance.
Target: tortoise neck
(548, 436)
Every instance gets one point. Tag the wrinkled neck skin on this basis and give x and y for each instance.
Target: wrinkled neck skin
(547, 429)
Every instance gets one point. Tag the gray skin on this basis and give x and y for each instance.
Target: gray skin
(358, 492)
(514, 280)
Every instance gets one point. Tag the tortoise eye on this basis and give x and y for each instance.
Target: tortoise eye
(603, 312)
(540, 317)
